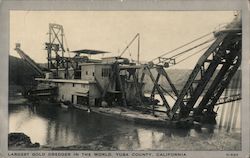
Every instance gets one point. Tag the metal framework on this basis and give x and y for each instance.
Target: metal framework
(224, 55)
(227, 99)
(226, 52)
(55, 47)
(157, 88)
(28, 60)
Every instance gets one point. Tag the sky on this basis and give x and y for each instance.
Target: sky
(160, 31)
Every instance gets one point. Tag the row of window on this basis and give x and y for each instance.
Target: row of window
(87, 73)
(105, 72)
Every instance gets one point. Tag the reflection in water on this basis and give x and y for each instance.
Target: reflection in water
(55, 126)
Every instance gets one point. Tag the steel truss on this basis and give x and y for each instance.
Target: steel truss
(205, 81)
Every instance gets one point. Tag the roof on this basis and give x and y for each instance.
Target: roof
(90, 52)
(86, 64)
(64, 80)
(114, 57)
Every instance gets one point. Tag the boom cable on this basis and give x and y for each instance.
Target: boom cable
(197, 52)
(171, 51)
(187, 50)
(137, 35)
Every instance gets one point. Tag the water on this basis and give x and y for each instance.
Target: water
(54, 126)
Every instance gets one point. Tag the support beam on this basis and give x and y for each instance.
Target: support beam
(165, 103)
(154, 87)
(117, 72)
(137, 87)
(164, 73)
(141, 81)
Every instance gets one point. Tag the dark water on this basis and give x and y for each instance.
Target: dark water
(54, 126)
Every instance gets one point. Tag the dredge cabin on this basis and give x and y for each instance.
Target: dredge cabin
(97, 83)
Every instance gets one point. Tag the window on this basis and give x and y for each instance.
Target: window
(82, 100)
(105, 72)
(93, 73)
(73, 85)
(72, 99)
(87, 72)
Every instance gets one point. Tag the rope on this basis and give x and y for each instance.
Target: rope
(137, 35)
(171, 51)
(192, 54)
(187, 50)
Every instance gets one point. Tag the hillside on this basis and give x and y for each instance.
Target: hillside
(180, 76)
(20, 76)
(20, 72)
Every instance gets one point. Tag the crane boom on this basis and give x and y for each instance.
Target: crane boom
(204, 87)
(225, 51)
(28, 60)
